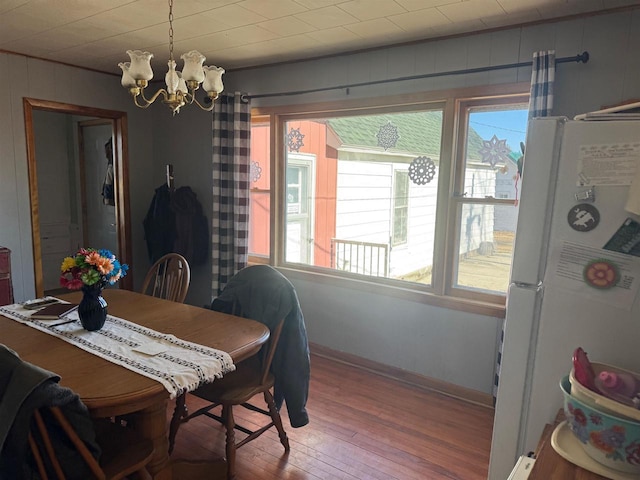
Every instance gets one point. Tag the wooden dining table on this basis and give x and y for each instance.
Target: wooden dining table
(110, 390)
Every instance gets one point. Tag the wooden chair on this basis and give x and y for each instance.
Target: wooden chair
(123, 451)
(251, 377)
(168, 278)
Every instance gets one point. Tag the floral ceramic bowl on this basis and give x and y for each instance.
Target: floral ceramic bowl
(610, 440)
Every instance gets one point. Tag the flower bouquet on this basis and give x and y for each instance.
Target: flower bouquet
(91, 267)
(90, 270)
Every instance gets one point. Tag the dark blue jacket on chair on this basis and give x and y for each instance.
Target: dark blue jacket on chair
(263, 294)
(25, 387)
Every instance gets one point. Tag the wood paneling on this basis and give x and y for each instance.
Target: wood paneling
(363, 426)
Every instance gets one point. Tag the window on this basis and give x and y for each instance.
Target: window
(487, 163)
(400, 207)
(420, 196)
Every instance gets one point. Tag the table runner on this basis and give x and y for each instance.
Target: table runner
(179, 365)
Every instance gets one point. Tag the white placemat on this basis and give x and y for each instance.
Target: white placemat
(179, 365)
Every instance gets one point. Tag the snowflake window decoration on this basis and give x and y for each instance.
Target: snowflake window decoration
(255, 171)
(494, 151)
(388, 136)
(422, 170)
(294, 140)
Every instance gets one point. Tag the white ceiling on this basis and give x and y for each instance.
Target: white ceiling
(241, 33)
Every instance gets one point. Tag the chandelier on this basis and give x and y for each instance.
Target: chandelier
(181, 86)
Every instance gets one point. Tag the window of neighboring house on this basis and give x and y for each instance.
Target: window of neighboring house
(400, 207)
(413, 195)
(260, 191)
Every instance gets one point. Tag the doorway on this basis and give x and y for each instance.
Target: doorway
(64, 174)
(97, 194)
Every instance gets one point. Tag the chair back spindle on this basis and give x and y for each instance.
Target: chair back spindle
(168, 278)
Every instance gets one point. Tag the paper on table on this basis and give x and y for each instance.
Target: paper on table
(150, 348)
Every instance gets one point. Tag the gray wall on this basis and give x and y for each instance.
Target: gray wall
(185, 142)
(24, 77)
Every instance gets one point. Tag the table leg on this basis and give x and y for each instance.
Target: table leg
(151, 422)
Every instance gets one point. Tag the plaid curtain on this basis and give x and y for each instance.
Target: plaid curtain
(543, 72)
(230, 217)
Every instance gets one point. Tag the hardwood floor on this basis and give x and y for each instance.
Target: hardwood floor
(363, 426)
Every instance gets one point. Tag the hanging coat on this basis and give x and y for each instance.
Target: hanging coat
(192, 239)
(175, 223)
(160, 225)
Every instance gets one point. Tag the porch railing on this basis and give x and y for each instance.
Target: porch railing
(366, 258)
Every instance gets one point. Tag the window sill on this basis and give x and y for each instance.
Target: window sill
(428, 298)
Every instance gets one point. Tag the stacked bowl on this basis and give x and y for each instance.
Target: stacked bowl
(608, 430)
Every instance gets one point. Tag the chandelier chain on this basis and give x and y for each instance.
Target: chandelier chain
(170, 29)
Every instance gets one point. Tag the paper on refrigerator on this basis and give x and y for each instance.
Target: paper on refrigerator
(608, 164)
(567, 263)
(633, 197)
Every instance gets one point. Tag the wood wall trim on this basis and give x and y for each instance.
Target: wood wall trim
(400, 292)
(414, 379)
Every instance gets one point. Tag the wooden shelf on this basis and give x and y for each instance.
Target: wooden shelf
(551, 466)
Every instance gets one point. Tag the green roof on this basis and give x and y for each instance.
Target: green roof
(419, 132)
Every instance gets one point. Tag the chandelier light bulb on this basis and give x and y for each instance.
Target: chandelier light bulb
(127, 80)
(213, 79)
(192, 70)
(140, 68)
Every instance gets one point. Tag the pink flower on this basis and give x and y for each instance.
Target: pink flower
(71, 283)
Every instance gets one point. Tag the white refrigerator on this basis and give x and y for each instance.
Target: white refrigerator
(575, 187)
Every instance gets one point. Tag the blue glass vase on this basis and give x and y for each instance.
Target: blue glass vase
(93, 308)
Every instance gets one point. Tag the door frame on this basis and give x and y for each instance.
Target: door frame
(121, 180)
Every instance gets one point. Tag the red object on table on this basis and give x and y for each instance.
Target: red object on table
(6, 288)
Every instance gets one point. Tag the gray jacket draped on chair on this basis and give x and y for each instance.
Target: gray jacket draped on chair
(24, 387)
(263, 294)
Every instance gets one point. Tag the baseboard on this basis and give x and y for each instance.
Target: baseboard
(414, 379)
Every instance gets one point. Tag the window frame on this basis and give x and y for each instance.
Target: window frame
(440, 293)
(256, 258)
(457, 199)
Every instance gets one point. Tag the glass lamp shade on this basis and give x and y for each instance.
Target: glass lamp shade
(171, 78)
(140, 68)
(192, 70)
(213, 79)
(182, 85)
(127, 80)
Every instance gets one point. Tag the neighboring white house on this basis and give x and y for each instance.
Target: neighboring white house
(388, 220)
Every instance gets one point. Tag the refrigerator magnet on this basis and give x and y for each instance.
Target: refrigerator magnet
(601, 273)
(583, 217)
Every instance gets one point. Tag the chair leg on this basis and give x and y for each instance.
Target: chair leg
(179, 413)
(229, 422)
(277, 421)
